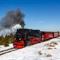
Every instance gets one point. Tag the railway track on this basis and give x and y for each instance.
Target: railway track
(7, 51)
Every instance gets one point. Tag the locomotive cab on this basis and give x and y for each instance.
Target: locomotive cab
(35, 37)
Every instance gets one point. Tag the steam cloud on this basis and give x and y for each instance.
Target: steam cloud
(12, 18)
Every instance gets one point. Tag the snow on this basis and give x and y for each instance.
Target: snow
(2, 47)
(49, 50)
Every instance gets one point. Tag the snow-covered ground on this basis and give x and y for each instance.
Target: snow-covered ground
(49, 50)
(2, 47)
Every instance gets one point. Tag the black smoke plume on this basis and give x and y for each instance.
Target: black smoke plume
(12, 18)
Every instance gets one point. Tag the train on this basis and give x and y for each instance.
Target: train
(27, 37)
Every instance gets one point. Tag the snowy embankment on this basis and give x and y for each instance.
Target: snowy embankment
(2, 47)
(49, 50)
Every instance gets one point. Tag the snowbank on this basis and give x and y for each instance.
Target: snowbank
(4, 48)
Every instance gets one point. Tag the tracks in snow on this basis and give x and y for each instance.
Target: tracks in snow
(7, 51)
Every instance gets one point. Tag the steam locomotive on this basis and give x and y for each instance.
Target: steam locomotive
(26, 37)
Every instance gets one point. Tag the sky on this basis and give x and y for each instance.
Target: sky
(39, 14)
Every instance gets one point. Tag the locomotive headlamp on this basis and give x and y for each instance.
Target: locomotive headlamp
(19, 38)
